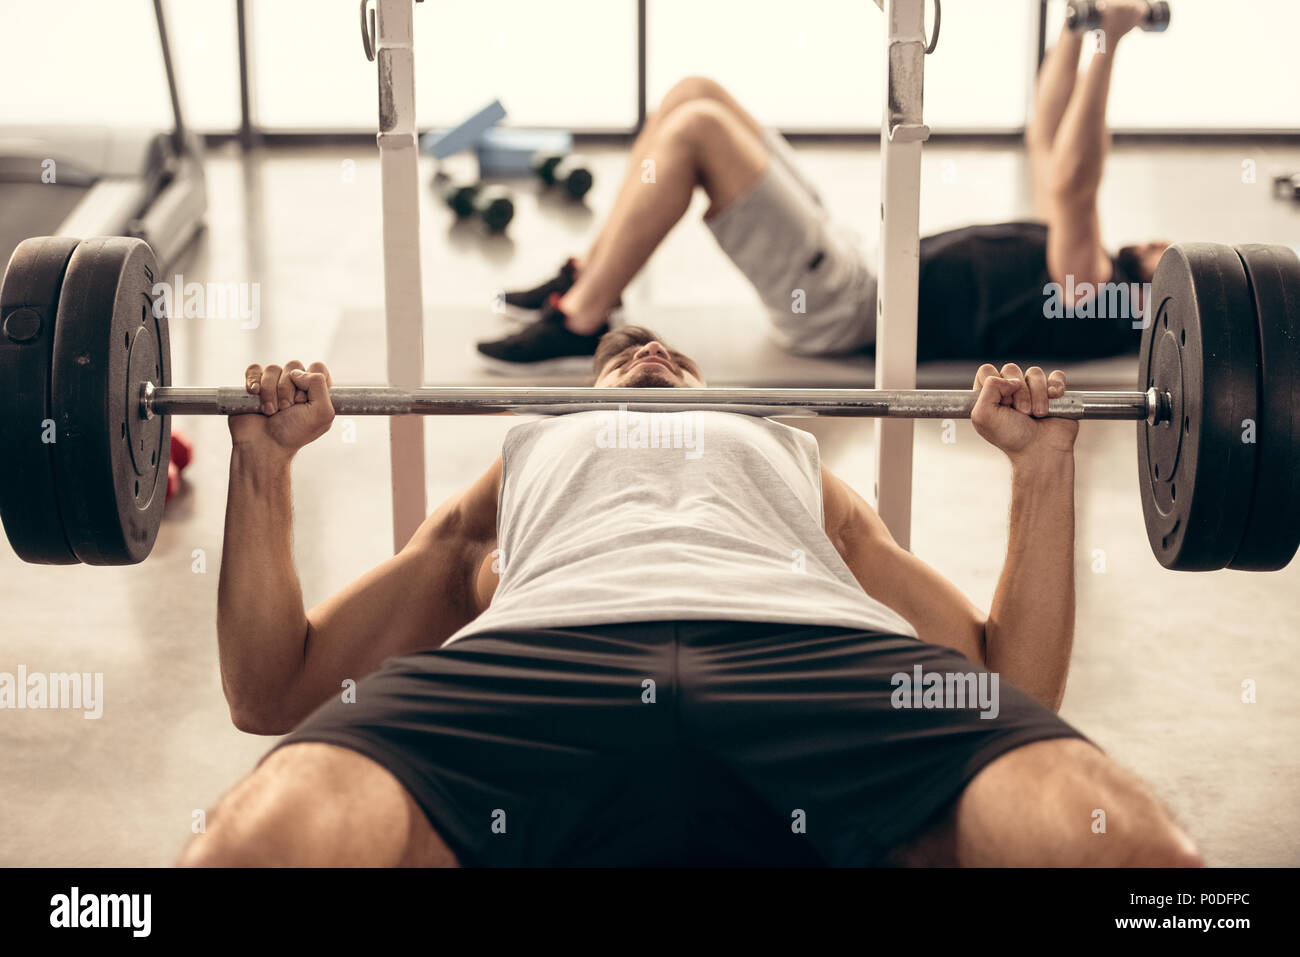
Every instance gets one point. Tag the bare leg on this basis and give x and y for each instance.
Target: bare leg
(690, 89)
(702, 88)
(1044, 804)
(701, 142)
(317, 805)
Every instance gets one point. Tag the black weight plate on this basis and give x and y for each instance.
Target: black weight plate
(1273, 527)
(29, 300)
(111, 467)
(1200, 347)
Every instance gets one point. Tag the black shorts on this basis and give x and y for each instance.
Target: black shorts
(672, 743)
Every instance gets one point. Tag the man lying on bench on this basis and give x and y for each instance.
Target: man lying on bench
(663, 638)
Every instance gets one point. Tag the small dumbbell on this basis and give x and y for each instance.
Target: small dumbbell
(1287, 187)
(544, 164)
(1086, 15)
(491, 204)
(569, 173)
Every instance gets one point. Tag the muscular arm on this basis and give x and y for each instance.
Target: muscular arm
(1074, 177)
(1081, 142)
(1030, 631)
(278, 661)
(1055, 86)
(1028, 635)
(1078, 154)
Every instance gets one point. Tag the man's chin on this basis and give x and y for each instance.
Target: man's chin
(650, 377)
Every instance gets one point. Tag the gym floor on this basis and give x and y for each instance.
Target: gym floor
(1161, 658)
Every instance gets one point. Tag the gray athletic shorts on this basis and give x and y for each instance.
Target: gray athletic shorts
(815, 276)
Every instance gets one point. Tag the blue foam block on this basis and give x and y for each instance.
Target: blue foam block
(507, 152)
(443, 143)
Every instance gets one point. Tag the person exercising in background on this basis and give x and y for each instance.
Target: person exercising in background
(647, 638)
(982, 288)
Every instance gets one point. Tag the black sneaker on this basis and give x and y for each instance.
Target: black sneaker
(544, 347)
(525, 304)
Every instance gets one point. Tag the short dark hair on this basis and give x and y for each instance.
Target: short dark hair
(616, 340)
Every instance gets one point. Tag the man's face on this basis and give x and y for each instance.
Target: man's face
(649, 365)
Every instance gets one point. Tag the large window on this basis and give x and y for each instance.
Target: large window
(99, 62)
(82, 62)
(1219, 66)
(802, 65)
(205, 51)
(565, 63)
(819, 64)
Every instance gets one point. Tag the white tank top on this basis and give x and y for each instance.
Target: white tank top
(615, 516)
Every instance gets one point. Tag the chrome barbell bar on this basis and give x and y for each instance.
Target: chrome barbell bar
(1150, 406)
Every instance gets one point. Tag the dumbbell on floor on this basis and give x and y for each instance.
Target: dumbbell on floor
(492, 205)
(570, 173)
(86, 403)
(1086, 15)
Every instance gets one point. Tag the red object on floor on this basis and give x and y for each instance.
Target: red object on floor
(182, 450)
(182, 453)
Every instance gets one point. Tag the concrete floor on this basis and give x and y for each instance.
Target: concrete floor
(1160, 657)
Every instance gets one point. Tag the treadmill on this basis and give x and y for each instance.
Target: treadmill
(144, 183)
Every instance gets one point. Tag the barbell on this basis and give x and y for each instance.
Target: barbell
(86, 402)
